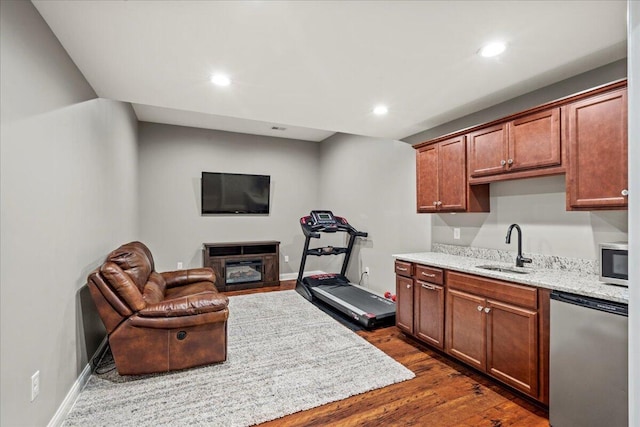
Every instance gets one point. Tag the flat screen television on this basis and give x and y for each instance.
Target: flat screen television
(234, 193)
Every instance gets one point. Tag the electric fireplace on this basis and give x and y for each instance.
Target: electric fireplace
(246, 271)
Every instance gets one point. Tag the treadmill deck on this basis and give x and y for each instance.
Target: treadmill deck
(364, 307)
(359, 298)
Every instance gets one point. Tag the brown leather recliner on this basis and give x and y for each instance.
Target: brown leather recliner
(158, 322)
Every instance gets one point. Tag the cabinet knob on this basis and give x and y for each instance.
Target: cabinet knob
(480, 308)
(503, 162)
(510, 161)
(435, 203)
(408, 286)
(487, 309)
(625, 192)
(439, 203)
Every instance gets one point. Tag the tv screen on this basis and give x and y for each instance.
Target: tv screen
(233, 193)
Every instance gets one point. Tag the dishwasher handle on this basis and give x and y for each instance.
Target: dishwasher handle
(592, 303)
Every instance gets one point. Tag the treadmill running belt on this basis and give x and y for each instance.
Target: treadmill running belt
(361, 299)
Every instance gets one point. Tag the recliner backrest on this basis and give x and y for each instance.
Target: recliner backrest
(134, 259)
(128, 271)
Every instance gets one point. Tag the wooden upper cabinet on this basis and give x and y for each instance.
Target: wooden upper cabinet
(427, 178)
(442, 179)
(452, 182)
(488, 151)
(518, 146)
(534, 141)
(597, 151)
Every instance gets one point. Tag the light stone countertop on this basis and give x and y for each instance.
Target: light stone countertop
(581, 283)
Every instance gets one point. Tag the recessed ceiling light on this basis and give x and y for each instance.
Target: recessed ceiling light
(380, 110)
(492, 49)
(220, 80)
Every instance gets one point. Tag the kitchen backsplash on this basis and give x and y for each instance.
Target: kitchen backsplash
(540, 261)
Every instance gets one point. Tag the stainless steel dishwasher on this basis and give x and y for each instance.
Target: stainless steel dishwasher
(588, 384)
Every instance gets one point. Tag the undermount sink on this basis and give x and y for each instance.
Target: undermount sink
(503, 269)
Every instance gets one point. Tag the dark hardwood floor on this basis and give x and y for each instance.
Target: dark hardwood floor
(443, 393)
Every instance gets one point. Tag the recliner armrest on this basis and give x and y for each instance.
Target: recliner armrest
(186, 277)
(205, 302)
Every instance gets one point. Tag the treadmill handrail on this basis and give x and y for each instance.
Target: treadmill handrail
(312, 225)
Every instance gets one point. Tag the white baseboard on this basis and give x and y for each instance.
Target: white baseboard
(76, 389)
(293, 276)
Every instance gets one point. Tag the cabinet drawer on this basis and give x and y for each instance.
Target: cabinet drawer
(404, 268)
(523, 296)
(429, 274)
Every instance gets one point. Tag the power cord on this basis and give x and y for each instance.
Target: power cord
(103, 363)
(361, 276)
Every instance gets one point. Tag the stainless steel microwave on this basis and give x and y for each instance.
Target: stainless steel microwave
(614, 263)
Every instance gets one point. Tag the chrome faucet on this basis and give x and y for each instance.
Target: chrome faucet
(520, 260)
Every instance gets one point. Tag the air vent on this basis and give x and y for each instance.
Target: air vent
(278, 128)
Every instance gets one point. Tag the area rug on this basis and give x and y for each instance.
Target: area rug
(284, 356)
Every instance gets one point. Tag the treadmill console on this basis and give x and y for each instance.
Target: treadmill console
(323, 217)
(325, 222)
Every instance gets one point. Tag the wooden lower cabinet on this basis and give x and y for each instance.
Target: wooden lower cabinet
(496, 327)
(404, 303)
(466, 327)
(512, 345)
(429, 313)
(496, 337)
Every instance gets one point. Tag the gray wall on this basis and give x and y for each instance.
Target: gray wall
(634, 212)
(369, 181)
(538, 206)
(372, 183)
(68, 187)
(171, 160)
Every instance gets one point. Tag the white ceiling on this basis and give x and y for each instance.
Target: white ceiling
(319, 67)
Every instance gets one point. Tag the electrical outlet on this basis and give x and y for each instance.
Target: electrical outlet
(366, 270)
(286, 258)
(179, 265)
(35, 385)
(456, 233)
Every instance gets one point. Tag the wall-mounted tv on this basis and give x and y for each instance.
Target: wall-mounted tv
(234, 193)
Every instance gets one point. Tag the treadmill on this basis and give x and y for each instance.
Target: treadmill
(333, 289)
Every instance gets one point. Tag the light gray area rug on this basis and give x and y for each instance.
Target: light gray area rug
(284, 356)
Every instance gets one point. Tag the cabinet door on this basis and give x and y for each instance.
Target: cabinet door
(512, 346)
(534, 141)
(429, 313)
(597, 175)
(270, 269)
(427, 178)
(452, 178)
(466, 328)
(218, 268)
(488, 151)
(404, 304)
